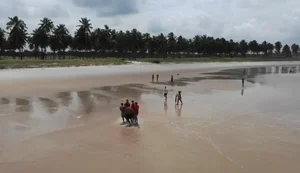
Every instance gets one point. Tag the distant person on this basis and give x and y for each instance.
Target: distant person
(178, 98)
(157, 76)
(165, 93)
(127, 104)
(136, 113)
(122, 109)
(243, 81)
(152, 77)
(172, 79)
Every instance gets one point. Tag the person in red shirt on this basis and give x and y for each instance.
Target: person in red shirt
(136, 112)
(127, 104)
(132, 104)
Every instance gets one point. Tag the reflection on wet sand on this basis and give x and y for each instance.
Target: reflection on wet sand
(218, 130)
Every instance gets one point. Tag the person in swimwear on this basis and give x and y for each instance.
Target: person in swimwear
(165, 93)
(122, 109)
(178, 98)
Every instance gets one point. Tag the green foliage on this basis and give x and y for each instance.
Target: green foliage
(106, 42)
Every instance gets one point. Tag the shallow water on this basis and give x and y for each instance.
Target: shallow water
(63, 72)
(221, 127)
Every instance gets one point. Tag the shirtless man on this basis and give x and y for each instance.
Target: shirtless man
(122, 109)
(178, 98)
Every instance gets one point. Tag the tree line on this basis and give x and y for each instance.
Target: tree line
(106, 42)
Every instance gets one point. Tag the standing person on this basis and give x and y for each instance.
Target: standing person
(152, 77)
(243, 81)
(129, 115)
(127, 104)
(122, 109)
(165, 93)
(178, 98)
(136, 112)
(172, 79)
(157, 76)
(132, 104)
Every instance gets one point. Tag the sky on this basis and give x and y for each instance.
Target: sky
(270, 20)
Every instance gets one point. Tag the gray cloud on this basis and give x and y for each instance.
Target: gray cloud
(110, 8)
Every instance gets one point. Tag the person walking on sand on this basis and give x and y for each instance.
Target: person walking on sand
(157, 76)
(165, 93)
(152, 77)
(172, 79)
(178, 98)
(127, 104)
(136, 112)
(122, 109)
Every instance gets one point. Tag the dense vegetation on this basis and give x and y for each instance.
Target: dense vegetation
(105, 42)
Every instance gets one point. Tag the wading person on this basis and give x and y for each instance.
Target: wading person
(136, 112)
(132, 104)
(129, 115)
(165, 93)
(122, 109)
(178, 98)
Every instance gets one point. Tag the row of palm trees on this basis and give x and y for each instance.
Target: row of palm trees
(107, 42)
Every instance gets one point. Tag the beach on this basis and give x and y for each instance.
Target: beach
(68, 119)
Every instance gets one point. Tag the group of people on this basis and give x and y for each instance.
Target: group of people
(178, 97)
(157, 77)
(130, 112)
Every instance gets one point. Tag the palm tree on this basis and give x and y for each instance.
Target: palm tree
(82, 35)
(2, 41)
(270, 48)
(286, 50)
(295, 49)
(171, 45)
(61, 39)
(17, 34)
(34, 41)
(278, 47)
(45, 29)
(243, 47)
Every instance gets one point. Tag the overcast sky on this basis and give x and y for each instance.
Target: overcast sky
(270, 20)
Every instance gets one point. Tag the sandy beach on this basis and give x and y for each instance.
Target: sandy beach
(68, 119)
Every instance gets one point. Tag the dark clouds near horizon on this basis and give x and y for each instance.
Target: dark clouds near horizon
(110, 8)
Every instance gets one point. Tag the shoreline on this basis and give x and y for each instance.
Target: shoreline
(10, 64)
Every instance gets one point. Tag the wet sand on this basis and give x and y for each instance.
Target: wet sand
(73, 125)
